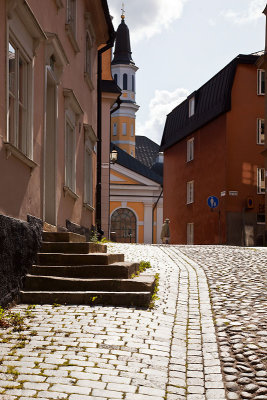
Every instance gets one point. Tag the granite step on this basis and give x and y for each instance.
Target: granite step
(78, 259)
(73, 247)
(63, 237)
(116, 299)
(116, 270)
(143, 283)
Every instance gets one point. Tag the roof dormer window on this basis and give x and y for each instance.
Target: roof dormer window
(191, 106)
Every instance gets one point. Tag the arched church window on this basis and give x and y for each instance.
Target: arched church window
(133, 83)
(123, 224)
(125, 81)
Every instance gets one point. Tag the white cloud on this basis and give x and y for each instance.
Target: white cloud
(162, 103)
(146, 18)
(249, 14)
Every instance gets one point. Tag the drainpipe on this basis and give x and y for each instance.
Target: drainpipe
(154, 206)
(108, 46)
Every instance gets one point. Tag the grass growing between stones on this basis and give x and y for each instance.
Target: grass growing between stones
(154, 296)
(143, 266)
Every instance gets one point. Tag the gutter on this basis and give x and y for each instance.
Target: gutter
(109, 45)
(153, 209)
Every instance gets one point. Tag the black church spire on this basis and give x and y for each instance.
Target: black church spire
(122, 53)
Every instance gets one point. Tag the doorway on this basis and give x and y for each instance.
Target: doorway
(123, 225)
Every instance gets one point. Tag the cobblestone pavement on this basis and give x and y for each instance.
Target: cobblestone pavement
(167, 353)
(238, 283)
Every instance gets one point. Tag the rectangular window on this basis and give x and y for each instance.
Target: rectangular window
(190, 233)
(132, 130)
(124, 128)
(88, 191)
(115, 129)
(190, 192)
(19, 93)
(191, 104)
(71, 15)
(260, 180)
(261, 82)
(190, 150)
(260, 131)
(88, 56)
(260, 218)
(70, 156)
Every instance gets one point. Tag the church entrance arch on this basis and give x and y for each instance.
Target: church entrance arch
(123, 226)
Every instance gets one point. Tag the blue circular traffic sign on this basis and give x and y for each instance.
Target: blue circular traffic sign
(213, 201)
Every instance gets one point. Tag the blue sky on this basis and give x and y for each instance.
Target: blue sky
(180, 44)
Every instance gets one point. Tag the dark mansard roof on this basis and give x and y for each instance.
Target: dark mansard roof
(211, 100)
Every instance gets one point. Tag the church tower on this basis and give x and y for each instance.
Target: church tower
(123, 71)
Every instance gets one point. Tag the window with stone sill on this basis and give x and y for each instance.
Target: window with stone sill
(88, 73)
(89, 145)
(260, 82)
(115, 129)
(190, 192)
(190, 233)
(260, 131)
(70, 179)
(71, 24)
(19, 74)
(190, 150)
(88, 177)
(260, 180)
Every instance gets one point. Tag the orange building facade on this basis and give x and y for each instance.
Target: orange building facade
(212, 146)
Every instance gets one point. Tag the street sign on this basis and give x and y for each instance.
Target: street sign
(213, 201)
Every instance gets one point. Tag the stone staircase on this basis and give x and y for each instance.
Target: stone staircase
(70, 270)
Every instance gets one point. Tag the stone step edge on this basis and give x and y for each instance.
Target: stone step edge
(134, 279)
(90, 298)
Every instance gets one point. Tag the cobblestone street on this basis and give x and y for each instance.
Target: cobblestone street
(205, 339)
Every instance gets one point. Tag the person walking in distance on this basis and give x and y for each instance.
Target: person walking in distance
(165, 232)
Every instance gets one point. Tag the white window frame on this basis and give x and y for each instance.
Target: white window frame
(124, 128)
(70, 159)
(115, 129)
(190, 192)
(190, 150)
(73, 111)
(21, 135)
(191, 106)
(260, 131)
(25, 34)
(89, 148)
(260, 82)
(190, 233)
(260, 180)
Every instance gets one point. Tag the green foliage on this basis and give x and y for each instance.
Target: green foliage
(154, 296)
(104, 240)
(142, 267)
(8, 318)
(93, 235)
